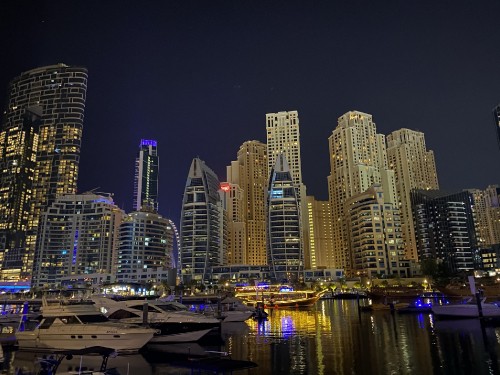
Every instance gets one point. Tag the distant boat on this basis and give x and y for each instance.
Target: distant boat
(278, 296)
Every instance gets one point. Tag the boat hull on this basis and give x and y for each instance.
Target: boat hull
(82, 337)
(469, 311)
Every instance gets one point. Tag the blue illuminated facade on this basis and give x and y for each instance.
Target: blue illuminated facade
(284, 248)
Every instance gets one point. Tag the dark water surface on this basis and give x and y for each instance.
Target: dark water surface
(331, 338)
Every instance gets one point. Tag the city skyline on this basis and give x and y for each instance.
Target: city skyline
(176, 74)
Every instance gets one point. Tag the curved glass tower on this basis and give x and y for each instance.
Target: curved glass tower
(40, 154)
(202, 223)
(284, 253)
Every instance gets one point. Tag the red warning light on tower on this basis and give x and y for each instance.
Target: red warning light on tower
(225, 186)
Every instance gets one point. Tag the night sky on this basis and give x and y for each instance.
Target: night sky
(199, 77)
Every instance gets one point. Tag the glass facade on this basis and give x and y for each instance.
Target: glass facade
(285, 255)
(202, 225)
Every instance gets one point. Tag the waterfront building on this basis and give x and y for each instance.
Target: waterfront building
(374, 234)
(146, 242)
(283, 137)
(78, 235)
(496, 117)
(285, 255)
(480, 210)
(490, 257)
(40, 142)
(445, 229)
(414, 168)
(319, 214)
(201, 225)
(236, 227)
(146, 175)
(492, 198)
(358, 160)
(249, 172)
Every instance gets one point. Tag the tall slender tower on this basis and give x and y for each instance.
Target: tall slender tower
(358, 160)
(320, 233)
(285, 255)
(283, 137)
(249, 172)
(414, 168)
(146, 175)
(202, 224)
(41, 140)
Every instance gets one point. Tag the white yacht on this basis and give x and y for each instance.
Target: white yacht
(172, 320)
(466, 310)
(76, 326)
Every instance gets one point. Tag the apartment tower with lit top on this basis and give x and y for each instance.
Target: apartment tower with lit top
(146, 175)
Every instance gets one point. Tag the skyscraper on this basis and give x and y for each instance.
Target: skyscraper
(444, 228)
(233, 195)
(374, 234)
(146, 241)
(202, 224)
(146, 175)
(320, 233)
(358, 160)
(283, 137)
(41, 140)
(414, 168)
(496, 117)
(78, 235)
(249, 172)
(285, 256)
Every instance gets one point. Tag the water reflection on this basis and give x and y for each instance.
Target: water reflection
(331, 338)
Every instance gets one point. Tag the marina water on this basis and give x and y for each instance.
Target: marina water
(333, 337)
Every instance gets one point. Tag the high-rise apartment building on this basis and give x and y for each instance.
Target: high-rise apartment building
(283, 137)
(496, 118)
(374, 234)
(487, 215)
(319, 214)
(202, 224)
(233, 195)
(415, 168)
(40, 142)
(146, 175)
(445, 229)
(480, 210)
(249, 173)
(285, 256)
(78, 235)
(358, 160)
(146, 241)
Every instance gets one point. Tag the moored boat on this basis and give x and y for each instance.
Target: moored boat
(77, 326)
(466, 310)
(278, 296)
(172, 320)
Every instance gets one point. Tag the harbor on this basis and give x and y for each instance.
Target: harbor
(334, 336)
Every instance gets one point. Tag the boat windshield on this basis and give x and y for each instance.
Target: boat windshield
(172, 307)
(97, 318)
